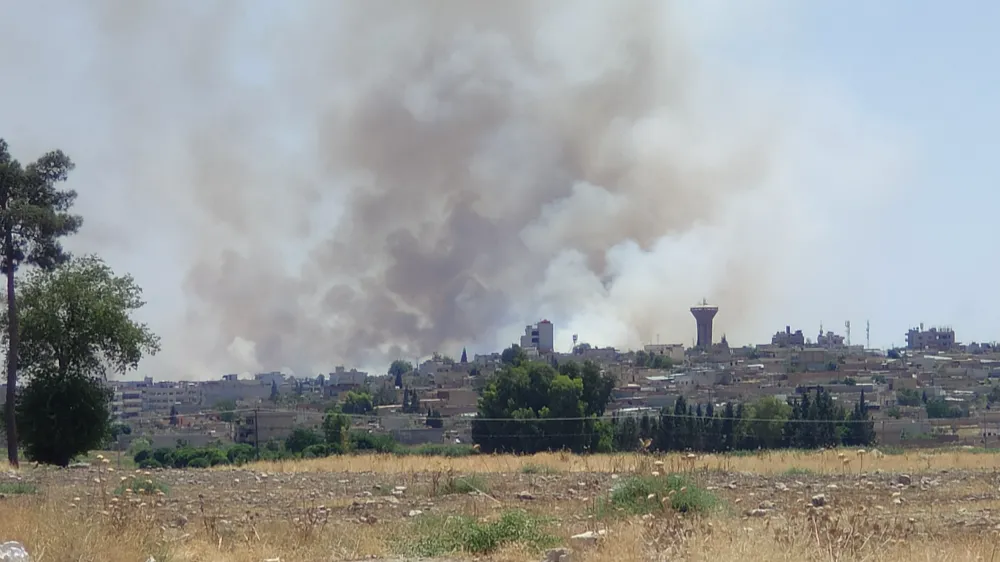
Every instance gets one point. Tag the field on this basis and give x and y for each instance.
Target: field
(933, 505)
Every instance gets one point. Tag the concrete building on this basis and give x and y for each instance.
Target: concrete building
(940, 339)
(788, 338)
(704, 315)
(674, 351)
(261, 427)
(162, 396)
(540, 336)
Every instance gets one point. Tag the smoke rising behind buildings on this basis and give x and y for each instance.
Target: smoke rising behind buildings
(350, 182)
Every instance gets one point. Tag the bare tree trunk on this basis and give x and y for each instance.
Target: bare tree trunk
(11, 369)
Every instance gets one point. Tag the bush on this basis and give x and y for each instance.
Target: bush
(316, 451)
(436, 536)
(142, 485)
(60, 416)
(373, 442)
(651, 494)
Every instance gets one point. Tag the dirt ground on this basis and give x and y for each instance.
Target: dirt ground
(351, 514)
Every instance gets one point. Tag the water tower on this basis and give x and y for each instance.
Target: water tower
(703, 316)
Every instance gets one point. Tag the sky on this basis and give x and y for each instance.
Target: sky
(868, 190)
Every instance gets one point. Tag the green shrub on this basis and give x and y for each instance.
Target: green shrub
(372, 442)
(430, 536)
(651, 494)
(532, 468)
(142, 485)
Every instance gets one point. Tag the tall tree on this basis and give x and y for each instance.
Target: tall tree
(76, 327)
(34, 215)
(397, 369)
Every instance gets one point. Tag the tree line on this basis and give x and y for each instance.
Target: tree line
(530, 407)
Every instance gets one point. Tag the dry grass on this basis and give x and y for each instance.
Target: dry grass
(764, 463)
(309, 510)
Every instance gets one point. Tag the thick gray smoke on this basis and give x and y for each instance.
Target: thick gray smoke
(357, 181)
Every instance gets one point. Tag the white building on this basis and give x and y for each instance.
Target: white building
(540, 336)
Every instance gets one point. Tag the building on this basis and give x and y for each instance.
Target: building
(788, 338)
(829, 339)
(939, 339)
(264, 426)
(674, 351)
(540, 336)
(704, 315)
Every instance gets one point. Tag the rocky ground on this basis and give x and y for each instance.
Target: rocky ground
(943, 498)
(243, 503)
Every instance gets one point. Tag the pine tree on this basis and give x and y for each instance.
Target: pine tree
(729, 428)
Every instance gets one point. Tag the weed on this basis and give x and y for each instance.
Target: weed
(796, 471)
(17, 488)
(141, 484)
(436, 536)
(651, 494)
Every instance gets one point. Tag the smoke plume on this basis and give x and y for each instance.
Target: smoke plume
(350, 182)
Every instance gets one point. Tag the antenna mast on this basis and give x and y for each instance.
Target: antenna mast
(868, 334)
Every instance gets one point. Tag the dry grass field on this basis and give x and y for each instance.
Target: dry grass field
(939, 506)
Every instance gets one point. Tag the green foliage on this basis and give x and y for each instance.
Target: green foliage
(894, 412)
(532, 407)
(77, 319)
(653, 360)
(336, 429)
(301, 439)
(62, 416)
(34, 215)
(373, 442)
(513, 356)
(227, 410)
(357, 403)
(431, 536)
(653, 494)
(434, 419)
(994, 395)
(17, 488)
(141, 485)
(940, 408)
(75, 326)
(908, 397)
(397, 369)
(813, 420)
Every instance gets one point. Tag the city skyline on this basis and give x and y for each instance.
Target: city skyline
(845, 146)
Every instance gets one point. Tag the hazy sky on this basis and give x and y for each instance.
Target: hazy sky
(872, 199)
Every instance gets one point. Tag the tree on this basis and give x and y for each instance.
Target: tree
(532, 407)
(227, 410)
(173, 415)
(397, 369)
(34, 215)
(301, 439)
(63, 416)
(434, 419)
(357, 403)
(76, 323)
(336, 428)
(513, 356)
(275, 395)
